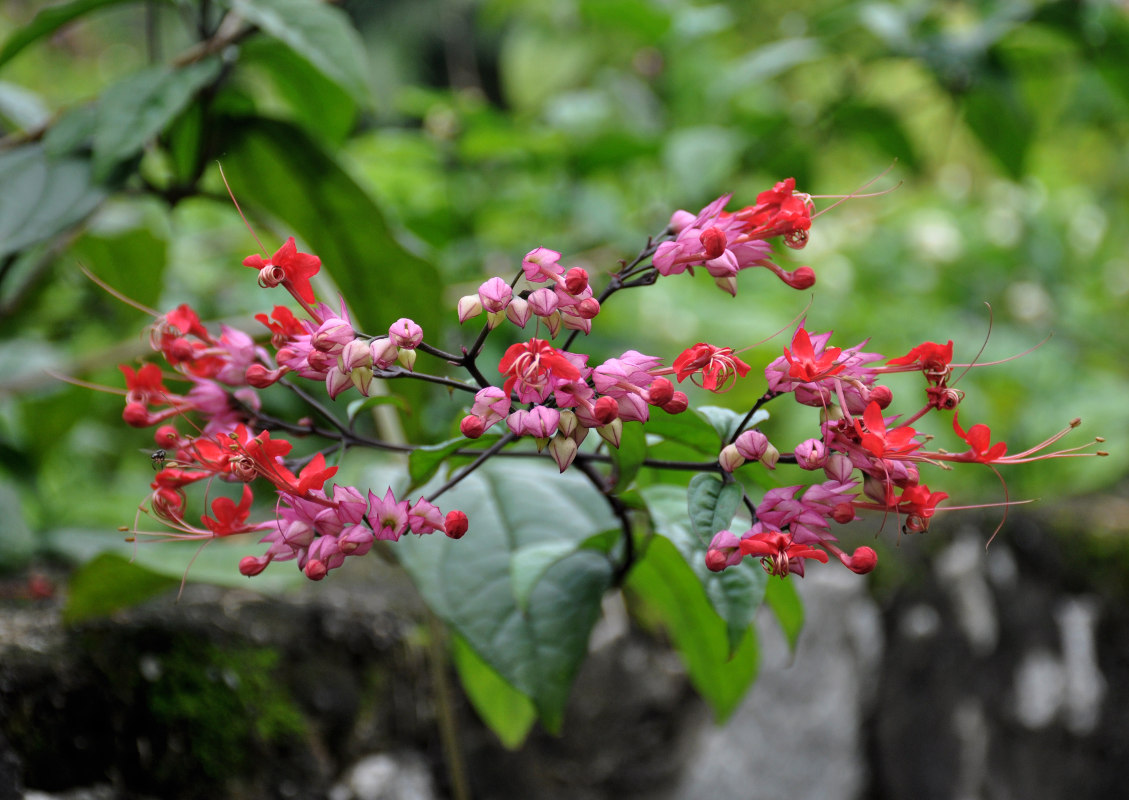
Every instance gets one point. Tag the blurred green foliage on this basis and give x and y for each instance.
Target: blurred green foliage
(419, 146)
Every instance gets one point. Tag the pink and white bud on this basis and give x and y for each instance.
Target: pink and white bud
(540, 422)
(770, 457)
(575, 323)
(612, 433)
(518, 311)
(567, 423)
(543, 302)
(337, 381)
(563, 450)
(320, 362)
(495, 294)
(494, 319)
(811, 454)
(407, 358)
(727, 283)
(540, 264)
(355, 540)
(730, 458)
(384, 353)
(332, 335)
(469, 306)
(362, 379)
(356, 354)
(405, 334)
(838, 467)
(680, 220)
(576, 280)
(752, 445)
(553, 322)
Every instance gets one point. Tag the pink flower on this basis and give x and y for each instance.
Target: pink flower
(495, 295)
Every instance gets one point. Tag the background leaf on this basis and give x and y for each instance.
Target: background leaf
(469, 585)
(317, 32)
(47, 21)
(506, 711)
(671, 595)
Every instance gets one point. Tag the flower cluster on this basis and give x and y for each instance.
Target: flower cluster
(544, 389)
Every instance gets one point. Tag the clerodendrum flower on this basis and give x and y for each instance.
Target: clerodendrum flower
(288, 267)
(717, 366)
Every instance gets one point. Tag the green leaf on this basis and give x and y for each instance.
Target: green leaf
(20, 108)
(279, 168)
(671, 594)
(317, 103)
(134, 110)
(42, 196)
(736, 592)
(47, 21)
(110, 583)
(995, 112)
(711, 504)
(529, 564)
(689, 428)
(133, 259)
(469, 583)
(628, 457)
(726, 420)
(506, 711)
(17, 543)
(317, 32)
(878, 124)
(785, 603)
(363, 403)
(424, 462)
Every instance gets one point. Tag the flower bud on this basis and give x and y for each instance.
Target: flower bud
(455, 524)
(563, 450)
(588, 308)
(567, 422)
(713, 242)
(729, 458)
(260, 377)
(405, 334)
(612, 433)
(838, 467)
(880, 395)
(543, 302)
(332, 335)
(494, 319)
(362, 379)
(751, 444)
(680, 220)
(770, 457)
(407, 358)
(518, 312)
(800, 277)
(576, 280)
(384, 353)
(495, 294)
(811, 454)
(251, 566)
(136, 415)
(605, 410)
(862, 561)
(727, 283)
(315, 570)
(337, 381)
(553, 322)
(679, 402)
(471, 426)
(469, 306)
(356, 353)
(716, 560)
(843, 513)
(660, 392)
(321, 362)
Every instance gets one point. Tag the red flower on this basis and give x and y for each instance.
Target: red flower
(717, 366)
(881, 442)
(534, 367)
(779, 554)
(804, 365)
(919, 505)
(933, 359)
(288, 267)
(978, 438)
(230, 518)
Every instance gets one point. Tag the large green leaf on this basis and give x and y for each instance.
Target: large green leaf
(711, 504)
(317, 32)
(134, 110)
(504, 709)
(469, 583)
(110, 583)
(278, 167)
(47, 21)
(734, 593)
(996, 114)
(628, 457)
(671, 595)
(42, 196)
(782, 597)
